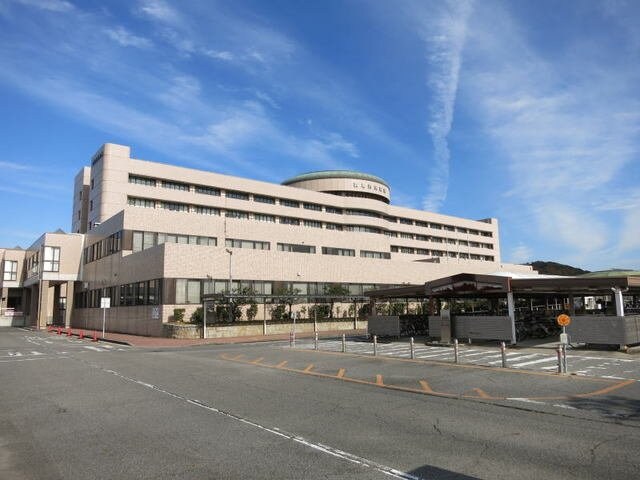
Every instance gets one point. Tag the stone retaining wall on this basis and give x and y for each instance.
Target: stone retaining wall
(245, 329)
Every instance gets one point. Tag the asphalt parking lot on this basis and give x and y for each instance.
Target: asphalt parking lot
(268, 411)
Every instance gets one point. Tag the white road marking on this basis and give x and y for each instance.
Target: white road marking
(533, 362)
(526, 400)
(97, 349)
(334, 452)
(562, 405)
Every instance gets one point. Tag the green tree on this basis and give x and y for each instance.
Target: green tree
(252, 311)
(287, 296)
(336, 292)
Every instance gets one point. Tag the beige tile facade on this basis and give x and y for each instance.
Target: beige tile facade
(117, 197)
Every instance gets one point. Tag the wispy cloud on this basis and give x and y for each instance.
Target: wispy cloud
(445, 39)
(50, 5)
(567, 130)
(15, 166)
(125, 38)
(521, 253)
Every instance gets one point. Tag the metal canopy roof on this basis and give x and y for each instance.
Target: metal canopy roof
(475, 285)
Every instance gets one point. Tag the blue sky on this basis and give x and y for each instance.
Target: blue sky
(524, 111)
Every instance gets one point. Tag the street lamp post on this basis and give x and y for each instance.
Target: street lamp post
(230, 283)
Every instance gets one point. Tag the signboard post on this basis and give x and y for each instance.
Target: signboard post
(563, 320)
(105, 302)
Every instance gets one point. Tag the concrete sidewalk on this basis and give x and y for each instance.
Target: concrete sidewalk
(160, 342)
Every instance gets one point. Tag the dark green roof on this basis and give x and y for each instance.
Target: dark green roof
(612, 273)
(322, 174)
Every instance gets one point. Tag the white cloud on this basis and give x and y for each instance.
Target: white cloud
(15, 166)
(159, 10)
(125, 38)
(566, 128)
(445, 39)
(520, 254)
(50, 5)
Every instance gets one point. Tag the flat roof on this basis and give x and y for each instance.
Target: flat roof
(475, 285)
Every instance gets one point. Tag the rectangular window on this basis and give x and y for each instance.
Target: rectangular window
(292, 247)
(344, 252)
(289, 203)
(207, 190)
(175, 185)
(435, 226)
(251, 244)
(51, 259)
(236, 214)
(263, 199)
(237, 195)
(449, 228)
(261, 217)
(138, 180)
(137, 241)
(289, 221)
(423, 238)
(337, 211)
(142, 202)
(406, 221)
(421, 224)
(361, 228)
(312, 223)
(379, 255)
(206, 210)
(148, 240)
(362, 213)
(461, 230)
(406, 235)
(313, 206)
(422, 251)
(10, 270)
(391, 234)
(486, 234)
(175, 206)
(333, 226)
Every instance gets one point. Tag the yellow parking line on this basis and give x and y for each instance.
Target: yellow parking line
(426, 389)
(308, 369)
(282, 364)
(425, 386)
(481, 393)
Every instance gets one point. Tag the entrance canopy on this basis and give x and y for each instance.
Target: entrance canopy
(475, 285)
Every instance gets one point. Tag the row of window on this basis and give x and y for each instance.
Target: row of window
(103, 248)
(190, 291)
(238, 214)
(10, 270)
(144, 240)
(51, 261)
(139, 293)
(148, 181)
(440, 253)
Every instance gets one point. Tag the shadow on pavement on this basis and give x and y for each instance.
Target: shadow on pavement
(622, 408)
(430, 472)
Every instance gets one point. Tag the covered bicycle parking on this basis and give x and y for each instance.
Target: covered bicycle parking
(603, 307)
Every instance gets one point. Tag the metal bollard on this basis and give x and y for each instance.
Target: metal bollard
(375, 345)
(413, 351)
(559, 353)
(564, 359)
(455, 350)
(315, 341)
(503, 352)
(344, 344)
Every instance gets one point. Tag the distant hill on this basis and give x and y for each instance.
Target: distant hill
(553, 268)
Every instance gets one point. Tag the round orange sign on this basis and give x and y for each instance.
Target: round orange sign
(563, 320)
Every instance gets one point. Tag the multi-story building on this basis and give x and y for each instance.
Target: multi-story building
(153, 237)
